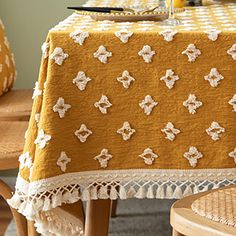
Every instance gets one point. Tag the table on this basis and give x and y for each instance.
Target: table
(7, 63)
(125, 110)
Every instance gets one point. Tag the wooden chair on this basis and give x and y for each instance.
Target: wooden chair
(11, 146)
(16, 105)
(186, 222)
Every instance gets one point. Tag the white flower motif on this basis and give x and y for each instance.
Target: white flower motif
(170, 78)
(148, 104)
(192, 104)
(168, 34)
(42, 139)
(79, 36)
(103, 158)
(170, 131)
(45, 49)
(126, 131)
(62, 161)
(213, 34)
(58, 56)
(232, 102)
(214, 77)
(83, 133)
(102, 54)
(7, 61)
(193, 155)
(6, 42)
(125, 79)
(103, 104)
(123, 35)
(215, 131)
(81, 80)
(232, 51)
(25, 160)
(61, 107)
(192, 52)
(148, 156)
(37, 117)
(146, 53)
(37, 91)
(2, 25)
(233, 155)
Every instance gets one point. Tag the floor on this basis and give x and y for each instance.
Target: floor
(134, 218)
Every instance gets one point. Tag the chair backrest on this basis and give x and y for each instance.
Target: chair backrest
(7, 63)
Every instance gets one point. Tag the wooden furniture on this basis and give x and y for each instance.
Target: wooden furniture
(11, 146)
(186, 222)
(16, 105)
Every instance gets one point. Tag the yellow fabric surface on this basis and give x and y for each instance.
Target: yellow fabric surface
(7, 64)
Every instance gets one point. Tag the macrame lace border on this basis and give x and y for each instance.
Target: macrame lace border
(39, 199)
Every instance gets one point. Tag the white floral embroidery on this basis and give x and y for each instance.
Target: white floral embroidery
(42, 139)
(6, 42)
(126, 79)
(7, 61)
(213, 34)
(232, 102)
(81, 80)
(25, 160)
(168, 34)
(1, 24)
(37, 117)
(170, 78)
(192, 52)
(192, 104)
(123, 35)
(148, 156)
(83, 133)
(103, 158)
(102, 54)
(58, 56)
(148, 104)
(146, 53)
(170, 131)
(215, 131)
(79, 36)
(45, 49)
(214, 77)
(193, 155)
(103, 104)
(37, 91)
(62, 161)
(61, 107)
(232, 51)
(126, 131)
(233, 155)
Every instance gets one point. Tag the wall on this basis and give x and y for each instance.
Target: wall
(27, 23)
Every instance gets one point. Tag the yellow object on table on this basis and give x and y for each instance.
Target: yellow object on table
(126, 110)
(177, 3)
(7, 63)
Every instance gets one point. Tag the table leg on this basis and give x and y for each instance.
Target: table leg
(97, 217)
(175, 233)
(113, 208)
(31, 229)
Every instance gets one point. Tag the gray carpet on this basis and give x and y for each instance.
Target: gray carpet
(135, 218)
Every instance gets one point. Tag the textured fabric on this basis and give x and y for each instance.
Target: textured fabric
(131, 110)
(7, 63)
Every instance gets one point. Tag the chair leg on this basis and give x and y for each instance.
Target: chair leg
(175, 233)
(31, 229)
(114, 208)
(97, 217)
(21, 223)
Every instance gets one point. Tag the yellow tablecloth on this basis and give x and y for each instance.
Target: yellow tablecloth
(7, 63)
(130, 110)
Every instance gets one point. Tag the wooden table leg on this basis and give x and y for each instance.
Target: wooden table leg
(97, 217)
(113, 208)
(175, 233)
(31, 229)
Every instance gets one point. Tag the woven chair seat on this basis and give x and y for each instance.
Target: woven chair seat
(219, 206)
(16, 105)
(11, 143)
